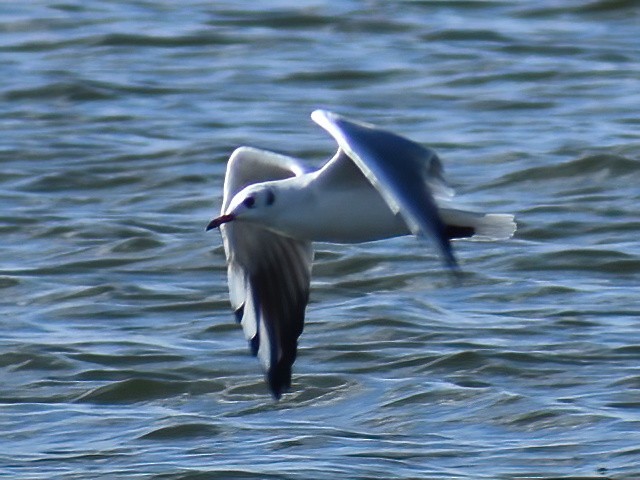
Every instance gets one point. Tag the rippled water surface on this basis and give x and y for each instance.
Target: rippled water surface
(119, 357)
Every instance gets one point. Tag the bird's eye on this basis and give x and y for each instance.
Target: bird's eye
(271, 197)
(249, 202)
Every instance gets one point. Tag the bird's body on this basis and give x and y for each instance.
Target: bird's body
(378, 185)
(353, 212)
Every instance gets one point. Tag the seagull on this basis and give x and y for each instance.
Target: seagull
(378, 185)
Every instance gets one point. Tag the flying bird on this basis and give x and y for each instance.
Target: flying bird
(378, 185)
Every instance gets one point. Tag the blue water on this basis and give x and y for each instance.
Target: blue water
(119, 357)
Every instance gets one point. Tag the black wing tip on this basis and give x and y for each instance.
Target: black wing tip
(454, 268)
(254, 345)
(239, 313)
(452, 264)
(450, 258)
(453, 232)
(279, 380)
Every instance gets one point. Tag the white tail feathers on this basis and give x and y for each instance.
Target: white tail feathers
(489, 226)
(495, 226)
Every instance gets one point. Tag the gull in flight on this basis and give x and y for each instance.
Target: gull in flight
(378, 185)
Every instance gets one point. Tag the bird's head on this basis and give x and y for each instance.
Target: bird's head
(252, 204)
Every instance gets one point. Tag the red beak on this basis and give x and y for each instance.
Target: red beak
(216, 222)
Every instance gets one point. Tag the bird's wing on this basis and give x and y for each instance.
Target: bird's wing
(407, 175)
(269, 274)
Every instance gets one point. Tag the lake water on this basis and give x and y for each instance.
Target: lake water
(119, 356)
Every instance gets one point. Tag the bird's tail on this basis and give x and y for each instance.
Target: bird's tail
(478, 226)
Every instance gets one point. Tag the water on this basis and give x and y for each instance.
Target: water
(119, 356)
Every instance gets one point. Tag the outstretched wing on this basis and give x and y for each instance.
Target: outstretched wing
(406, 174)
(269, 274)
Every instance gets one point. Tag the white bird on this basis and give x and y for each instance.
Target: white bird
(378, 185)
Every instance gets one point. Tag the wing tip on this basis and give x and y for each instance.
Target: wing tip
(238, 313)
(319, 114)
(450, 259)
(279, 380)
(254, 345)
(324, 118)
